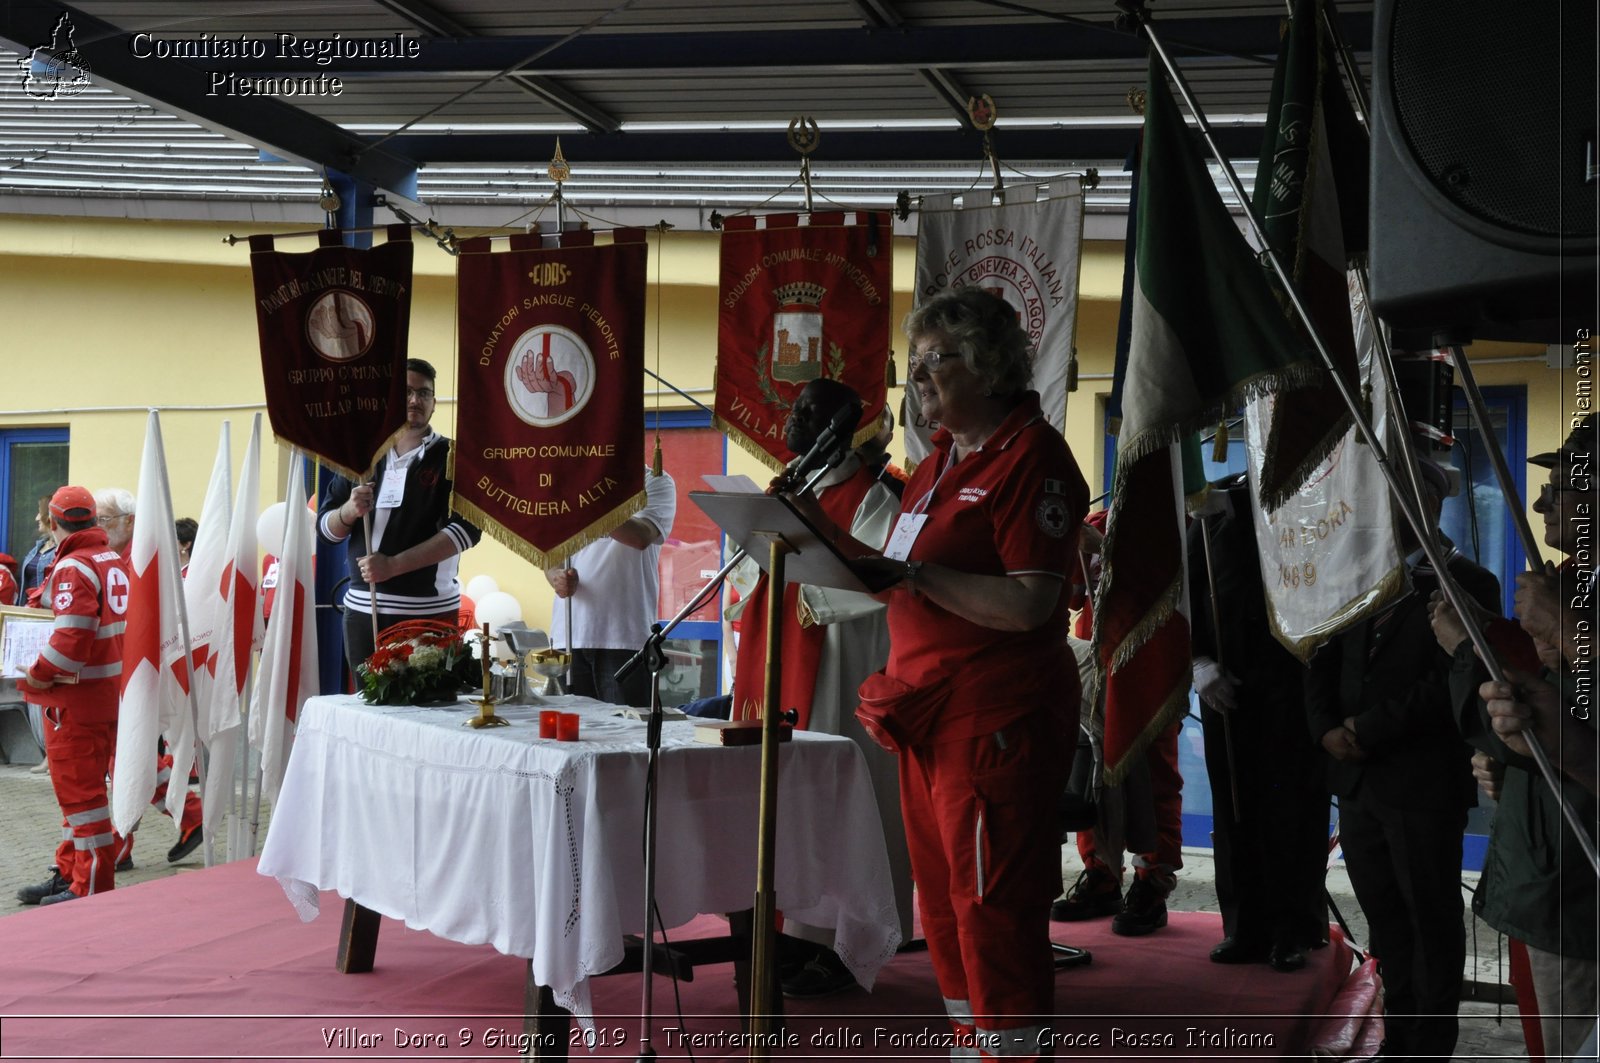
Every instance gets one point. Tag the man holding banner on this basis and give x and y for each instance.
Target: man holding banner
(409, 569)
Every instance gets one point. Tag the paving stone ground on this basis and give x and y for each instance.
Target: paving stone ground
(30, 825)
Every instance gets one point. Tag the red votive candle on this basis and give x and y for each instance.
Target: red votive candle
(549, 723)
(567, 727)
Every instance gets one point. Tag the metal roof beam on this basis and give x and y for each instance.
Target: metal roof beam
(1000, 45)
(436, 23)
(179, 88)
(836, 146)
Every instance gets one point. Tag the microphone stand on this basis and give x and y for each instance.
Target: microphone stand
(653, 655)
(656, 658)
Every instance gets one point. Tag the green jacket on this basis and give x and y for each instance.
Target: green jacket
(1537, 885)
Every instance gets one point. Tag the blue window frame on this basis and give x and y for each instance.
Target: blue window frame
(33, 463)
(1479, 519)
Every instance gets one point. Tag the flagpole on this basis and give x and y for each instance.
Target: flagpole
(1447, 584)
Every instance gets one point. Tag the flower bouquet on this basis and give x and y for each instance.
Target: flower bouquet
(415, 668)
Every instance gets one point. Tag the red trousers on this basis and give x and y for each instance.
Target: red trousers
(192, 810)
(80, 756)
(986, 856)
(1166, 795)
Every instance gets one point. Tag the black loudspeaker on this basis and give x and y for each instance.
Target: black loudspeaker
(1483, 169)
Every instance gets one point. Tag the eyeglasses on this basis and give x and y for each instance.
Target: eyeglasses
(1548, 492)
(421, 394)
(932, 360)
(107, 521)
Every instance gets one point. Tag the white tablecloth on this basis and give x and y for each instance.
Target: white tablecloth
(536, 846)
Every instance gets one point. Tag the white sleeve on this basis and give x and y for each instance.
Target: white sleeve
(661, 503)
(874, 520)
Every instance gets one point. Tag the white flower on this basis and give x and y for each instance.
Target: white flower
(427, 658)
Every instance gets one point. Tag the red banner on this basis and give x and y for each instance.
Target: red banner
(551, 380)
(800, 302)
(333, 325)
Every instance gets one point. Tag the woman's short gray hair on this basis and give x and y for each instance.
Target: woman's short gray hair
(986, 332)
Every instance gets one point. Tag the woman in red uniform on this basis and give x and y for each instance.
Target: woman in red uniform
(981, 691)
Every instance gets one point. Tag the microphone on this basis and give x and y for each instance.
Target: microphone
(832, 444)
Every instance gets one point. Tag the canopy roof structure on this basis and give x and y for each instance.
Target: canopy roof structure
(657, 104)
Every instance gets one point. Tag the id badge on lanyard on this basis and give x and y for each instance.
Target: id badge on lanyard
(909, 525)
(394, 488)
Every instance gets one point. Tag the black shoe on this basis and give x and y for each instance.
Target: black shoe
(187, 844)
(57, 898)
(1144, 911)
(48, 888)
(1286, 956)
(1232, 950)
(1095, 895)
(125, 864)
(823, 976)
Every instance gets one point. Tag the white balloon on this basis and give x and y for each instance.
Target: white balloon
(480, 587)
(269, 529)
(498, 608)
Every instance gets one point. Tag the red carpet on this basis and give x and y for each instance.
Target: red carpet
(215, 965)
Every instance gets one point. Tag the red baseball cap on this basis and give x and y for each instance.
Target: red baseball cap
(72, 503)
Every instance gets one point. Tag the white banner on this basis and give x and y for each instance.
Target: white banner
(1025, 252)
(1329, 556)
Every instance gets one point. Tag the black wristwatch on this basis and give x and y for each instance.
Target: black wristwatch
(912, 571)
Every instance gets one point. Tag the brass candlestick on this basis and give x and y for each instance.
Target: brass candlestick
(486, 716)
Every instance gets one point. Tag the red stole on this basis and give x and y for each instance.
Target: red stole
(802, 646)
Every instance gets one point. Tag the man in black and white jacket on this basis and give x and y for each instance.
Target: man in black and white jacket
(411, 564)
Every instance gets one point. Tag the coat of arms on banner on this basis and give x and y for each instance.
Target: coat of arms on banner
(552, 390)
(797, 334)
(799, 303)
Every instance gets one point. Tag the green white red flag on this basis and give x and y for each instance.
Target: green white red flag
(1205, 333)
(1311, 196)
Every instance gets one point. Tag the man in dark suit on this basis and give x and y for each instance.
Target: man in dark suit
(1272, 847)
(1378, 701)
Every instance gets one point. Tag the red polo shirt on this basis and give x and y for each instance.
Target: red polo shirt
(1011, 507)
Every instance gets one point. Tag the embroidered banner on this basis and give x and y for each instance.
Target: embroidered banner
(800, 302)
(333, 325)
(1329, 555)
(1026, 253)
(551, 382)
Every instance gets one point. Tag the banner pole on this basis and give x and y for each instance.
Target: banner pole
(1447, 584)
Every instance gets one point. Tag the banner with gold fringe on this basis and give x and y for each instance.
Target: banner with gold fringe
(551, 382)
(801, 297)
(333, 325)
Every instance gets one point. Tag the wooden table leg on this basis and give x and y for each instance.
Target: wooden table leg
(741, 926)
(358, 939)
(546, 1028)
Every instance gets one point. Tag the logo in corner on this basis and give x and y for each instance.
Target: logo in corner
(56, 70)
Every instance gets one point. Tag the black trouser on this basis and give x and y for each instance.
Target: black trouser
(1405, 865)
(594, 676)
(1270, 860)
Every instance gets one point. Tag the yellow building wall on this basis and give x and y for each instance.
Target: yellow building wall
(107, 318)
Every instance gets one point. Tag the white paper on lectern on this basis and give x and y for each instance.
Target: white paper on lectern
(738, 484)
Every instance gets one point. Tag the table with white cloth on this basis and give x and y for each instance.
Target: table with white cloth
(535, 845)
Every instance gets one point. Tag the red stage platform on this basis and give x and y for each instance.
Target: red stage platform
(215, 965)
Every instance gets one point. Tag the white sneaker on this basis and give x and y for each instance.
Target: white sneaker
(41, 768)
